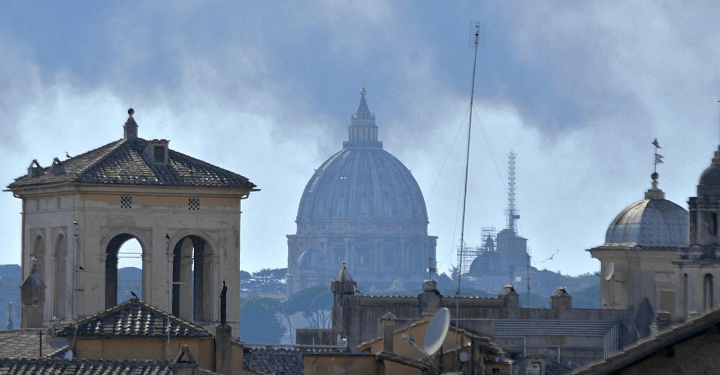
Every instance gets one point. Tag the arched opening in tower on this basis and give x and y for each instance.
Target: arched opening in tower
(192, 275)
(61, 281)
(37, 259)
(123, 269)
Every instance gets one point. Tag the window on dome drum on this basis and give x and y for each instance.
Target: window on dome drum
(193, 204)
(159, 154)
(713, 223)
(59, 203)
(125, 202)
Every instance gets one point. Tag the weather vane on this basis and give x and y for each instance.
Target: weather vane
(658, 158)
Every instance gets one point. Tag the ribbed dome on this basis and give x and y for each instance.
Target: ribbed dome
(362, 184)
(650, 223)
(362, 181)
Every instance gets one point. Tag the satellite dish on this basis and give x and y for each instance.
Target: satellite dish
(436, 331)
(609, 271)
(68, 355)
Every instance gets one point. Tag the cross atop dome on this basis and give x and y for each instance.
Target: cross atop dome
(654, 192)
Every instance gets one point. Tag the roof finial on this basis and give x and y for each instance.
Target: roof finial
(131, 127)
(655, 193)
(362, 91)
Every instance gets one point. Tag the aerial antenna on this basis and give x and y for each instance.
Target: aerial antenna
(512, 215)
(477, 41)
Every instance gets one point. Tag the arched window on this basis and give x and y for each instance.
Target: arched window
(708, 289)
(192, 279)
(60, 289)
(713, 224)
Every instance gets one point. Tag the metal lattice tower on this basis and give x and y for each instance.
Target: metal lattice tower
(512, 215)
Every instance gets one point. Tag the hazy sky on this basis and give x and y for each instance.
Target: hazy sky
(578, 89)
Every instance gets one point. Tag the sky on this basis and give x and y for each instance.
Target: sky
(579, 90)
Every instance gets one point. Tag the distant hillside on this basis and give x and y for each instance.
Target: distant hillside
(10, 271)
(10, 292)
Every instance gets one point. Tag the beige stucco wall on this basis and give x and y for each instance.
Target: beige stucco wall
(637, 274)
(343, 364)
(695, 289)
(153, 349)
(155, 211)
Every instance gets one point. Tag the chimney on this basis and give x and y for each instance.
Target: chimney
(388, 326)
(561, 300)
(35, 170)
(184, 363)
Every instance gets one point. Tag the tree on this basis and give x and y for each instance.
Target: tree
(258, 323)
(315, 303)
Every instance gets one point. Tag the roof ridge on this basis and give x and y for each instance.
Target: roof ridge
(141, 304)
(97, 162)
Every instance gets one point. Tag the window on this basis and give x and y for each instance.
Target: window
(125, 202)
(159, 154)
(708, 291)
(193, 204)
(713, 224)
(59, 203)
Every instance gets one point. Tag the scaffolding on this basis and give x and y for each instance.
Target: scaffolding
(469, 253)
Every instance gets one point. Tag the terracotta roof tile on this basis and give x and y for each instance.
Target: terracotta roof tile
(24, 343)
(85, 367)
(134, 318)
(122, 162)
(274, 361)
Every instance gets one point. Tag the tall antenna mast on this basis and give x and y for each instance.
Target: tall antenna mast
(477, 41)
(512, 215)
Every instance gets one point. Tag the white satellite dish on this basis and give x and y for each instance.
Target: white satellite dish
(436, 331)
(609, 271)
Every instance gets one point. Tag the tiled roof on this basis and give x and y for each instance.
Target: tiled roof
(122, 163)
(710, 322)
(133, 318)
(24, 343)
(274, 361)
(85, 367)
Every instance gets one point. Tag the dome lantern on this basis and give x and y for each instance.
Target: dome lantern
(362, 131)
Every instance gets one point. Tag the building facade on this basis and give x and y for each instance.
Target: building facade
(184, 212)
(362, 207)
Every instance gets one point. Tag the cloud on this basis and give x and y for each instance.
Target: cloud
(577, 90)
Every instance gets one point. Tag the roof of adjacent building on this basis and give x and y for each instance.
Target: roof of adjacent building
(85, 367)
(123, 163)
(653, 222)
(274, 361)
(24, 343)
(710, 322)
(133, 318)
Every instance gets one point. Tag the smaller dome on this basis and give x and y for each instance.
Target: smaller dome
(314, 260)
(711, 175)
(650, 223)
